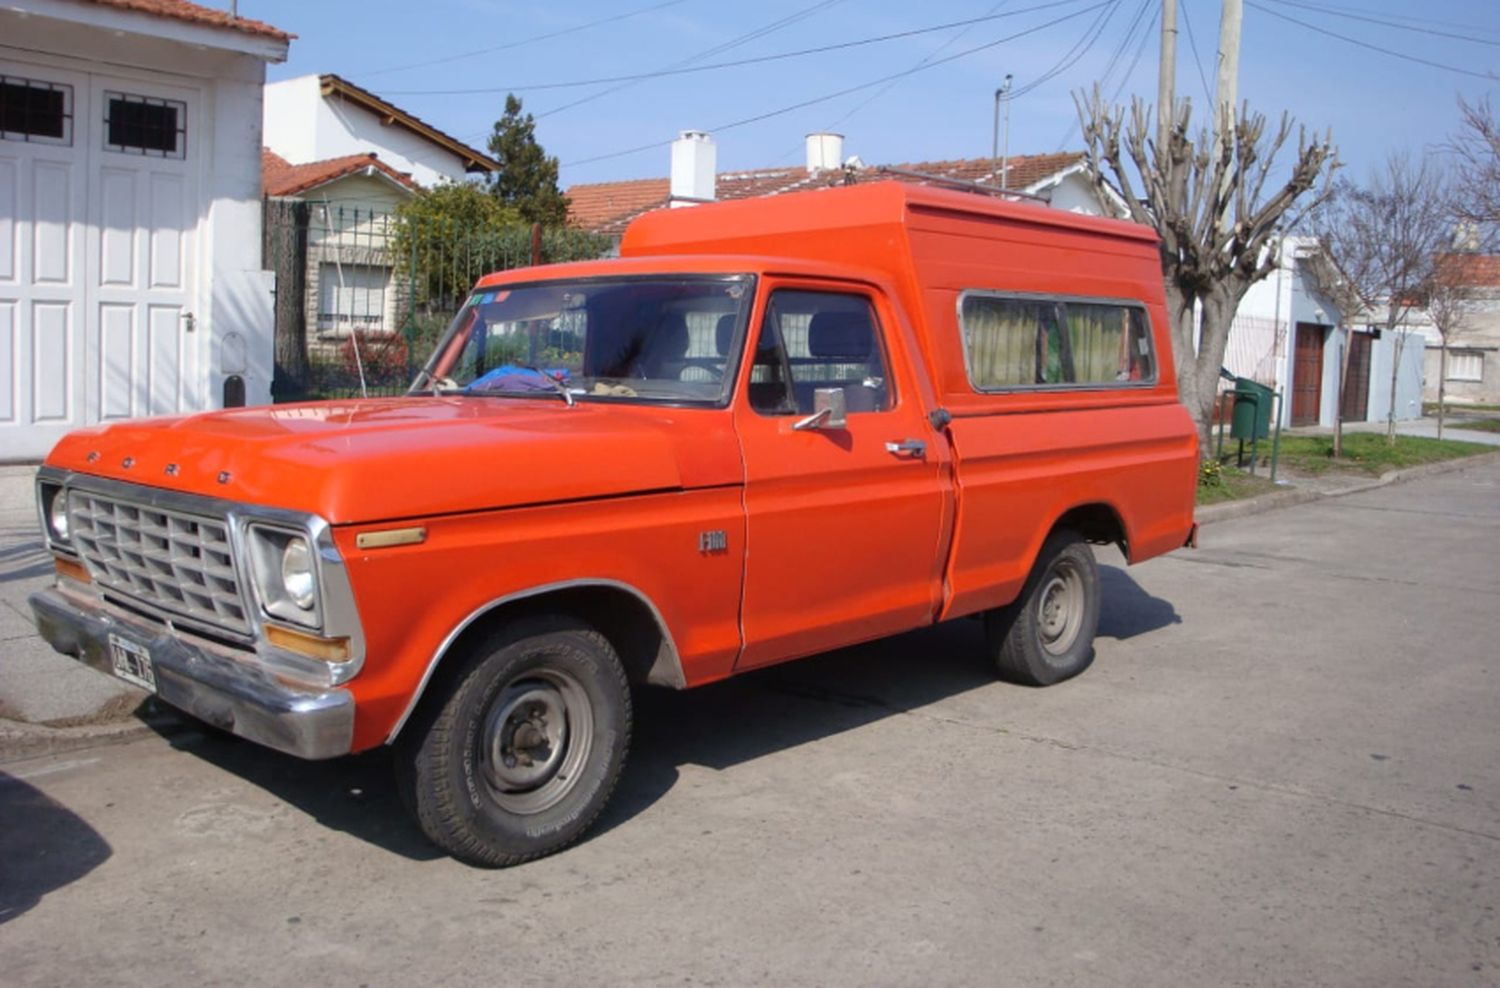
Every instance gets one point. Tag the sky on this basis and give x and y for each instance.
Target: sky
(1382, 76)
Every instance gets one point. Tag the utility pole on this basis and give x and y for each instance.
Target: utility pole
(1225, 96)
(1225, 89)
(1166, 76)
(995, 168)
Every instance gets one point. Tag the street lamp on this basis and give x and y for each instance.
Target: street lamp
(999, 166)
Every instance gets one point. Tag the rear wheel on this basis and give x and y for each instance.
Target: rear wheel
(525, 749)
(1047, 635)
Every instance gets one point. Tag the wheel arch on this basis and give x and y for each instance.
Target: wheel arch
(1099, 522)
(623, 614)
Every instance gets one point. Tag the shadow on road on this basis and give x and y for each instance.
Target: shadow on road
(1126, 610)
(717, 726)
(44, 846)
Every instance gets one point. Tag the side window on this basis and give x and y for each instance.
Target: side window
(1030, 343)
(812, 340)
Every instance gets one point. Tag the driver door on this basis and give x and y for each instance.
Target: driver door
(843, 521)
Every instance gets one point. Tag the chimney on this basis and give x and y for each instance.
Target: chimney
(825, 152)
(693, 163)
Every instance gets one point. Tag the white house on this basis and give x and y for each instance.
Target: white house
(130, 269)
(1290, 335)
(319, 117)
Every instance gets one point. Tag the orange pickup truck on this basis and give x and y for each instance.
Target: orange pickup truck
(768, 429)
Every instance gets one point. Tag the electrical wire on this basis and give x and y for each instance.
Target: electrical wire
(1114, 61)
(743, 39)
(1105, 4)
(1335, 12)
(1488, 76)
(524, 41)
(991, 15)
(1208, 94)
(1080, 48)
(736, 63)
(1136, 58)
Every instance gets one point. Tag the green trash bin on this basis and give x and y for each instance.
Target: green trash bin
(1252, 410)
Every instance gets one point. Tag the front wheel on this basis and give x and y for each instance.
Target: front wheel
(524, 751)
(1047, 635)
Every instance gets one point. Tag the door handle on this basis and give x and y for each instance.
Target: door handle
(914, 448)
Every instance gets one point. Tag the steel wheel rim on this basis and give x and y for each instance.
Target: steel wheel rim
(537, 736)
(1059, 611)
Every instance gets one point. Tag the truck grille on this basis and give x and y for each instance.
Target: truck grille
(169, 560)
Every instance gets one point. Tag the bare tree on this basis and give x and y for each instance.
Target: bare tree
(1451, 300)
(1220, 228)
(1476, 151)
(1385, 237)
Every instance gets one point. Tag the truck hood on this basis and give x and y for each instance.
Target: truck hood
(387, 459)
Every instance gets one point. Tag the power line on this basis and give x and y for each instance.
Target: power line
(933, 54)
(1136, 58)
(1365, 44)
(1336, 12)
(1197, 59)
(852, 89)
(736, 63)
(743, 39)
(1125, 42)
(1080, 48)
(524, 41)
(1114, 61)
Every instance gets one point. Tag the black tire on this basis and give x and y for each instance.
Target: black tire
(521, 755)
(1047, 635)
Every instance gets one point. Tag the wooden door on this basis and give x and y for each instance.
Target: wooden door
(1307, 375)
(1356, 399)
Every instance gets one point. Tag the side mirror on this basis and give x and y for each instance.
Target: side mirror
(830, 411)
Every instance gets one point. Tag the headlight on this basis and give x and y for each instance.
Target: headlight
(57, 515)
(286, 575)
(297, 576)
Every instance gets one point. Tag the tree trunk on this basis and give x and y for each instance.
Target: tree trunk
(1338, 411)
(1218, 308)
(1442, 383)
(1398, 343)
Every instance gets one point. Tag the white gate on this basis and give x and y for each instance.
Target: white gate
(98, 221)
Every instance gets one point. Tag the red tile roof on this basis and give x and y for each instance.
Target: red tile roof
(279, 177)
(1473, 270)
(181, 10)
(608, 207)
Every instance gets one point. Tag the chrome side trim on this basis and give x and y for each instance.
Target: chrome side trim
(666, 670)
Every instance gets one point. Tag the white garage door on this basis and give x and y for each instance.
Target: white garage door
(98, 220)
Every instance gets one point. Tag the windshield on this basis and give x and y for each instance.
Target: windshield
(669, 339)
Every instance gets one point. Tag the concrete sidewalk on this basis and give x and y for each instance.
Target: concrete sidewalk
(38, 686)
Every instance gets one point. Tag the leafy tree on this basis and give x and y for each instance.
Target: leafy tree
(447, 237)
(1218, 211)
(527, 179)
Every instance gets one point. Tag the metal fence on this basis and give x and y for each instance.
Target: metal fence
(362, 295)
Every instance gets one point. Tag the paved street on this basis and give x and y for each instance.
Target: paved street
(1284, 769)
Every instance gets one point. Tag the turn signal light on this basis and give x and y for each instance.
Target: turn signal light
(312, 646)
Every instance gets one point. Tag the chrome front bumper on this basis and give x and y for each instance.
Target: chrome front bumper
(235, 696)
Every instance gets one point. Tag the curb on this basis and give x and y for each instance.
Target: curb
(1286, 499)
(19, 740)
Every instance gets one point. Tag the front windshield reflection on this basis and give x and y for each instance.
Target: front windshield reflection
(650, 338)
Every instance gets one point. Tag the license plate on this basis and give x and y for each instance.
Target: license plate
(132, 663)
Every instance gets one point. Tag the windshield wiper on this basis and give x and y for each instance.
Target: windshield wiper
(555, 383)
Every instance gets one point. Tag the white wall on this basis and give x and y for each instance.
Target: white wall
(302, 126)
